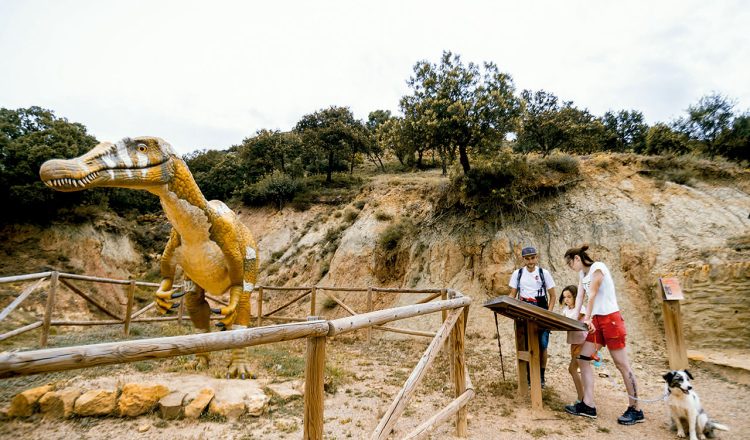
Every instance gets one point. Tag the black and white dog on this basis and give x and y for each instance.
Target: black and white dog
(685, 408)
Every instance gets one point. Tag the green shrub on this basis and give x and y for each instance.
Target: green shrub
(508, 182)
(277, 188)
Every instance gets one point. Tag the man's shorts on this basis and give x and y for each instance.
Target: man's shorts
(609, 331)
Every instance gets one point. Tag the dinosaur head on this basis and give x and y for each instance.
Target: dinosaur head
(138, 163)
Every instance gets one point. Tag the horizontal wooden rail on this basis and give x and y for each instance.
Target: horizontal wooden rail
(73, 276)
(20, 330)
(351, 323)
(404, 331)
(283, 288)
(444, 414)
(398, 290)
(25, 294)
(289, 303)
(89, 299)
(343, 289)
(68, 358)
(31, 276)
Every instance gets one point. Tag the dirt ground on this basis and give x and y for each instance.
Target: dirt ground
(363, 380)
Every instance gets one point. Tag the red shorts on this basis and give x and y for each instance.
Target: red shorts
(609, 331)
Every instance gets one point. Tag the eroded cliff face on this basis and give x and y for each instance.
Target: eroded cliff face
(640, 227)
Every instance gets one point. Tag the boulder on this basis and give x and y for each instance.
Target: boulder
(137, 399)
(24, 404)
(232, 409)
(59, 404)
(194, 409)
(170, 406)
(96, 403)
(286, 390)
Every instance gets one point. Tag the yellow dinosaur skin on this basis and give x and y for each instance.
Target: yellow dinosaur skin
(215, 250)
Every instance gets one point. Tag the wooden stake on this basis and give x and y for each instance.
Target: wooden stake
(260, 306)
(48, 310)
(129, 308)
(314, 381)
(313, 299)
(25, 294)
(405, 394)
(459, 370)
(369, 309)
(676, 349)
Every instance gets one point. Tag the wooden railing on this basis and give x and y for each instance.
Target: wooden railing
(454, 308)
(129, 317)
(65, 279)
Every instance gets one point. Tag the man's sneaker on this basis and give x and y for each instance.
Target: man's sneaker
(581, 409)
(631, 417)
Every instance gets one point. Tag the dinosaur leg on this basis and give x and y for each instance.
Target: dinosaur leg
(200, 315)
(240, 364)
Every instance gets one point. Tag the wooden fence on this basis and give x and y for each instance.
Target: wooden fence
(454, 308)
(65, 279)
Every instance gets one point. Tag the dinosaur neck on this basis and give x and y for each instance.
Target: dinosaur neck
(184, 204)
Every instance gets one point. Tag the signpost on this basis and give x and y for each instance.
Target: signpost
(676, 349)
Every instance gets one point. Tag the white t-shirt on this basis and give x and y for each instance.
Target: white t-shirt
(606, 299)
(530, 282)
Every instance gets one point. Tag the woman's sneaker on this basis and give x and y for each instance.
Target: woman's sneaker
(631, 417)
(581, 409)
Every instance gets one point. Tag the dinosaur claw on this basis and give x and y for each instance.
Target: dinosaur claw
(177, 294)
(221, 325)
(174, 306)
(217, 311)
(242, 376)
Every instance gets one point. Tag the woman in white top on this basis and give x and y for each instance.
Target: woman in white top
(606, 328)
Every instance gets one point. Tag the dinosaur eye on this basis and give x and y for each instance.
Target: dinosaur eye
(142, 148)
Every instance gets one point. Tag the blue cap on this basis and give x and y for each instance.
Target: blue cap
(528, 251)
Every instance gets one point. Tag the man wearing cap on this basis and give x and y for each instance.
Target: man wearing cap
(536, 287)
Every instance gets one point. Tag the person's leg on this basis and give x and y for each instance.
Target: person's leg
(620, 357)
(575, 350)
(587, 373)
(543, 344)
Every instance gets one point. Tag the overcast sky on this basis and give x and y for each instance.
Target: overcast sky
(208, 74)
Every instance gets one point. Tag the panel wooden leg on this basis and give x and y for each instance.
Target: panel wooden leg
(536, 373)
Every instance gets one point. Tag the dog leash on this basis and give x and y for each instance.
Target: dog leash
(611, 379)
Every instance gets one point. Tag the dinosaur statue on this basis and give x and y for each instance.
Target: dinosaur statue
(215, 250)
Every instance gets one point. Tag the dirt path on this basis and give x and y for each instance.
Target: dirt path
(369, 378)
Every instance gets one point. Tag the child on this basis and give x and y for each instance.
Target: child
(575, 338)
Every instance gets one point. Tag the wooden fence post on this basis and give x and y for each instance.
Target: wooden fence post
(260, 306)
(369, 309)
(129, 307)
(459, 372)
(48, 310)
(314, 381)
(313, 298)
(676, 351)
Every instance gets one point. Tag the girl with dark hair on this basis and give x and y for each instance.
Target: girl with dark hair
(575, 338)
(606, 328)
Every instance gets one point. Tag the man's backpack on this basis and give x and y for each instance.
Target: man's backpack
(541, 294)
